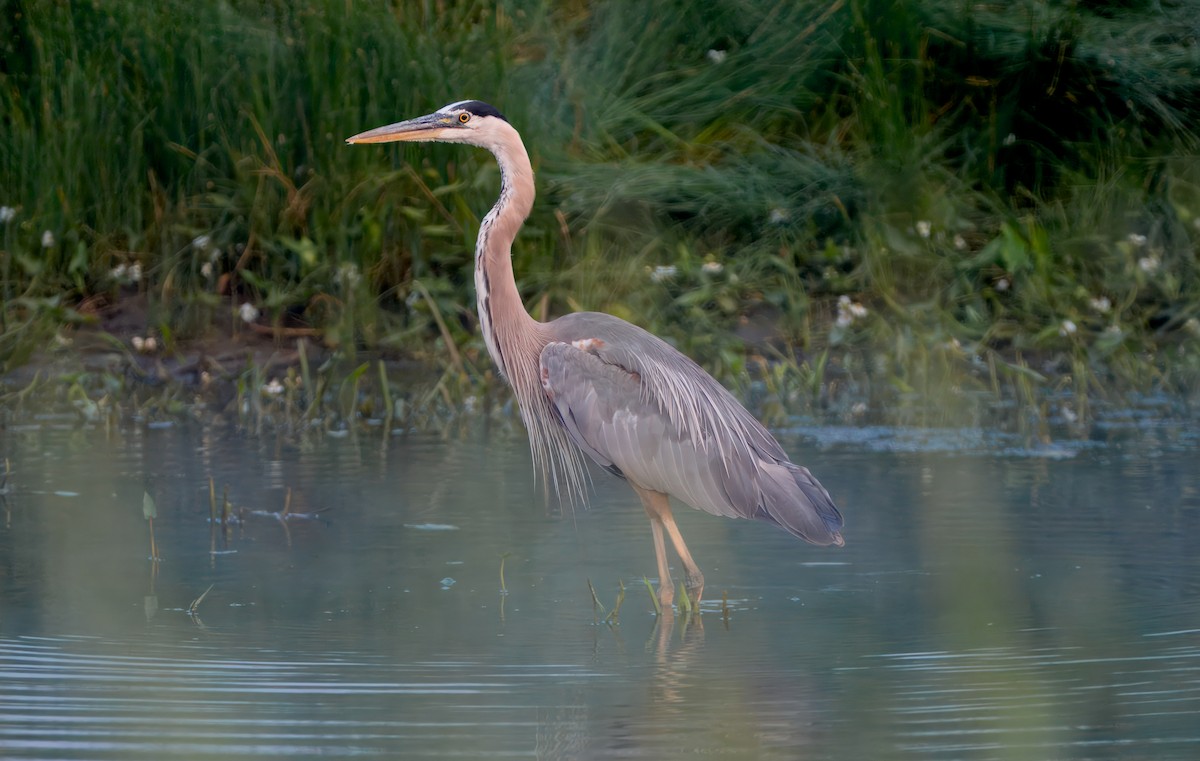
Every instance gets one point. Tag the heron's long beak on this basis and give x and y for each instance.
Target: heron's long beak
(430, 127)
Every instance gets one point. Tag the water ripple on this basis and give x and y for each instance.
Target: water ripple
(989, 699)
(102, 704)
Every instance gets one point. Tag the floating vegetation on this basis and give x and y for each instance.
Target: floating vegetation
(597, 606)
(685, 602)
(600, 613)
(658, 611)
(614, 615)
(224, 518)
(231, 515)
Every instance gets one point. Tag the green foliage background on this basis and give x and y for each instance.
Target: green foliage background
(1010, 190)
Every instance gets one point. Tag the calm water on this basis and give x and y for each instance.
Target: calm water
(992, 602)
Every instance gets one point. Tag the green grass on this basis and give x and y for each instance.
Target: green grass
(1008, 194)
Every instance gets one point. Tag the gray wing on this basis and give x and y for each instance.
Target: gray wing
(644, 411)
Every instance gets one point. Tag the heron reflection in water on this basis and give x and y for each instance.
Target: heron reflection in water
(592, 384)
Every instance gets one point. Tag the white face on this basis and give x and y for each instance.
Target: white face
(461, 124)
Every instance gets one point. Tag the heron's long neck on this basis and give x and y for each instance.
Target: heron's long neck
(514, 339)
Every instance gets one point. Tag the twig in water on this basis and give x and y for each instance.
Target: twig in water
(503, 587)
(615, 614)
(596, 605)
(149, 511)
(196, 603)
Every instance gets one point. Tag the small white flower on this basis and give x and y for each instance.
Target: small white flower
(663, 272)
(960, 242)
(47, 239)
(201, 242)
(777, 216)
(712, 268)
(118, 272)
(1010, 139)
(716, 56)
(1069, 414)
(1137, 240)
(248, 312)
(147, 345)
(273, 387)
(135, 272)
(1101, 304)
(7, 213)
(1002, 284)
(859, 408)
(924, 228)
(348, 276)
(1067, 328)
(1149, 264)
(206, 270)
(849, 311)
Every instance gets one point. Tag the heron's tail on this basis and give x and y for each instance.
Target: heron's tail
(795, 501)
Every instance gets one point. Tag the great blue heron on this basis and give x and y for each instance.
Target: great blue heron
(590, 383)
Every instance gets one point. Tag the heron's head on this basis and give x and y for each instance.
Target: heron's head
(467, 121)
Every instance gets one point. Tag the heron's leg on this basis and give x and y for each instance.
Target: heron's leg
(666, 587)
(654, 502)
(658, 507)
(693, 579)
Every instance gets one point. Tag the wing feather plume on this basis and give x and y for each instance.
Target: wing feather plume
(644, 411)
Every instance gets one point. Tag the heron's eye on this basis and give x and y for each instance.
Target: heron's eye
(464, 117)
